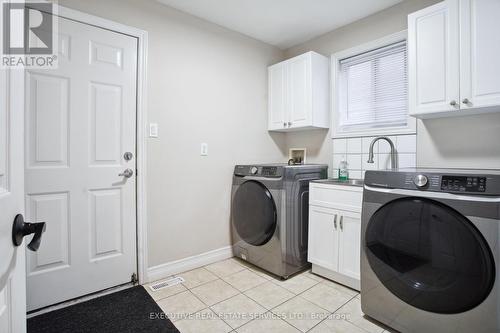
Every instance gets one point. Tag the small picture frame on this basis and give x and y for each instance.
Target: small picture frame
(297, 156)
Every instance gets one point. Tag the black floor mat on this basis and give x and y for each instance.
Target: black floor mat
(130, 310)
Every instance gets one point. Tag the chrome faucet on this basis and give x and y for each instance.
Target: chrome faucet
(393, 151)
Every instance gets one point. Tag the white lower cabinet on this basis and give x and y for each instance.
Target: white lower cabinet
(323, 240)
(349, 244)
(335, 232)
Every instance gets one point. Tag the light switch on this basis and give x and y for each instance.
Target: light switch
(204, 149)
(153, 130)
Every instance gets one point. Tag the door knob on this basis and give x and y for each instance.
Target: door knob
(127, 173)
(465, 101)
(21, 229)
(453, 103)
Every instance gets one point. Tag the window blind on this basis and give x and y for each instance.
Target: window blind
(373, 89)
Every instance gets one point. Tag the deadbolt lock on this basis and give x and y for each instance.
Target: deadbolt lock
(128, 156)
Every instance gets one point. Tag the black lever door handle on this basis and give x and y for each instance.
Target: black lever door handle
(21, 229)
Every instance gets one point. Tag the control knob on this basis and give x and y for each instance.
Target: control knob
(420, 180)
(254, 170)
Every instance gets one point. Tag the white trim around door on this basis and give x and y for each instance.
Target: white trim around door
(142, 38)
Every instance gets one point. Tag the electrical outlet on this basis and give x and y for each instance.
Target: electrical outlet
(153, 130)
(204, 149)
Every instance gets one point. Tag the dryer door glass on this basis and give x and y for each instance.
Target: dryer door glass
(429, 255)
(254, 213)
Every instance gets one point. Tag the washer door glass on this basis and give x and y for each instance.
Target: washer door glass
(254, 213)
(429, 255)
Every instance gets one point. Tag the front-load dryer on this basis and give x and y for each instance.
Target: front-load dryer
(430, 250)
(269, 215)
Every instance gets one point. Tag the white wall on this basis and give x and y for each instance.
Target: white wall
(206, 84)
(466, 142)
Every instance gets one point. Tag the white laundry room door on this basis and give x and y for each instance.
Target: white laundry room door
(80, 165)
(12, 258)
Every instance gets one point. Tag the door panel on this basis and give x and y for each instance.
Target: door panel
(433, 51)
(106, 120)
(106, 223)
(323, 237)
(480, 51)
(47, 121)
(54, 254)
(81, 119)
(300, 104)
(349, 244)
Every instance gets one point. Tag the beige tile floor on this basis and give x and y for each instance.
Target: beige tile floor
(233, 296)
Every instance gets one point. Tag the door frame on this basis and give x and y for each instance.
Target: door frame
(141, 123)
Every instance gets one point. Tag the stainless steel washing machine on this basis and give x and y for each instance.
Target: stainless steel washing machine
(269, 215)
(430, 250)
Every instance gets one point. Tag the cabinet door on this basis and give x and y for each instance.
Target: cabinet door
(277, 96)
(300, 91)
(323, 237)
(480, 53)
(349, 244)
(433, 58)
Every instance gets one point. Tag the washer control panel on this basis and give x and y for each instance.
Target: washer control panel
(463, 183)
(269, 171)
(482, 182)
(266, 171)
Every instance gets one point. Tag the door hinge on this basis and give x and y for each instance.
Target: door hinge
(134, 278)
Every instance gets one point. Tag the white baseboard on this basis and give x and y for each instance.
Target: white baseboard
(337, 277)
(186, 264)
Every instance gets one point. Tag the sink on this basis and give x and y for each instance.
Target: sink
(349, 182)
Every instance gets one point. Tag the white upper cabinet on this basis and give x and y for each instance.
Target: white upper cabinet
(300, 96)
(453, 51)
(433, 59)
(277, 87)
(480, 53)
(299, 93)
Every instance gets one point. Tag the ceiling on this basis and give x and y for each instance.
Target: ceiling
(283, 23)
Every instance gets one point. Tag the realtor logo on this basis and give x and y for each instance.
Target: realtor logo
(28, 34)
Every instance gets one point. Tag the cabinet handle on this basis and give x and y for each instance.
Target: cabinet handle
(453, 103)
(289, 123)
(335, 221)
(284, 124)
(341, 224)
(465, 101)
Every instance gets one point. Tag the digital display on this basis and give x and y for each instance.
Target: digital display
(269, 171)
(463, 184)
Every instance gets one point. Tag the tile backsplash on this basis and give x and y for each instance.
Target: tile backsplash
(356, 152)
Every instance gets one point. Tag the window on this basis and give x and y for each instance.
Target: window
(371, 90)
